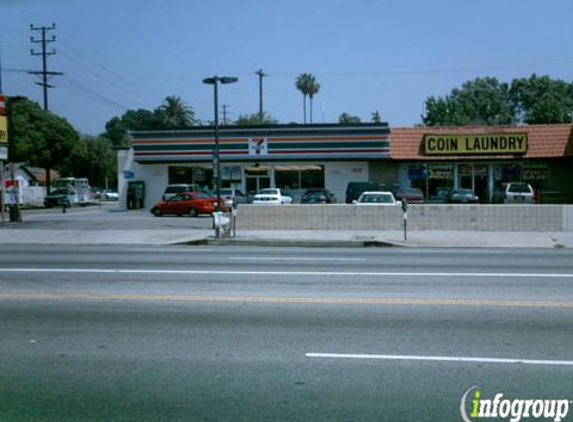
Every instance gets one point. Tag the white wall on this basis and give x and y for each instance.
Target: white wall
(337, 176)
(155, 177)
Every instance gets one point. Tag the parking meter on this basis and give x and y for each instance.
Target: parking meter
(405, 210)
(234, 217)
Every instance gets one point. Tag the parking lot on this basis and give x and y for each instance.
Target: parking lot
(106, 217)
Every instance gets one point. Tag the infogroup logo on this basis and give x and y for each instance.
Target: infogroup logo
(474, 407)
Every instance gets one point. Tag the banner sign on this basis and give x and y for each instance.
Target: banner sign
(503, 143)
(3, 129)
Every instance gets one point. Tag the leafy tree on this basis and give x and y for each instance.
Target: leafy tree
(94, 158)
(116, 129)
(38, 137)
(484, 101)
(542, 100)
(254, 119)
(346, 119)
(307, 85)
(174, 113)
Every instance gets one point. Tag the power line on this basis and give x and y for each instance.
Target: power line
(94, 95)
(99, 63)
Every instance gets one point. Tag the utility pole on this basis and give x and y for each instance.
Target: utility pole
(224, 107)
(261, 75)
(44, 53)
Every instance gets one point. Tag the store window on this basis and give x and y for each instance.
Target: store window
(231, 177)
(299, 177)
(295, 180)
(439, 176)
(203, 176)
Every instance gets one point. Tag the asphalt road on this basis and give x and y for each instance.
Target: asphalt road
(278, 334)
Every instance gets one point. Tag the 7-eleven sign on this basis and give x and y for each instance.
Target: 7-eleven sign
(258, 146)
(2, 105)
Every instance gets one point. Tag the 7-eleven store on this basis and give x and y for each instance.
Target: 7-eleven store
(291, 157)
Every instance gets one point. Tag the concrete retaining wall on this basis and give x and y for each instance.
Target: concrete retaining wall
(420, 217)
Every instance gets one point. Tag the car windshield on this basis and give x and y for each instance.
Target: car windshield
(62, 191)
(410, 191)
(269, 192)
(176, 189)
(376, 199)
(515, 188)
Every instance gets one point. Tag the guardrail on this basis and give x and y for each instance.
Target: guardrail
(420, 217)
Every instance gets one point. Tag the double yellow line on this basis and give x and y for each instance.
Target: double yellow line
(92, 296)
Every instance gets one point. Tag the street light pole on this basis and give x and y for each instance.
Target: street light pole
(216, 153)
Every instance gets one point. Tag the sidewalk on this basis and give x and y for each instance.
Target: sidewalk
(382, 238)
(390, 238)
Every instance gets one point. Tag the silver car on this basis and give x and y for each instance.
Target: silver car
(518, 193)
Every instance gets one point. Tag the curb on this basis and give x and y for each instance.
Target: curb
(297, 243)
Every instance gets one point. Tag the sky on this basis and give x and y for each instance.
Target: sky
(367, 55)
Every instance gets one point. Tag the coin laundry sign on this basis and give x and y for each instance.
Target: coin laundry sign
(3, 129)
(503, 143)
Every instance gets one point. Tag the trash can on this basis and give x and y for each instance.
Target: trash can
(14, 214)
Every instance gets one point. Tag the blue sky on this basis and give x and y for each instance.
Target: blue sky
(385, 55)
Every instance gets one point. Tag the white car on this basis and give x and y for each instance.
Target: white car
(376, 198)
(271, 196)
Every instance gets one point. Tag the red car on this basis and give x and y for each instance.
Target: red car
(191, 203)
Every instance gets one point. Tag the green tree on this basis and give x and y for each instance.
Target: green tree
(484, 101)
(254, 119)
(38, 137)
(94, 158)
(346, 119)
(307, 85)
(542, 100)
(116, 130)
(174, 113)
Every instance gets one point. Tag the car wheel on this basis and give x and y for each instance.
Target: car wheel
(192, 212)
(156, 212)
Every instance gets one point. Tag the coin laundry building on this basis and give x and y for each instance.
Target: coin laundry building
(300, 157)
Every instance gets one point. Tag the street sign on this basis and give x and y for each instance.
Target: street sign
(128, 174)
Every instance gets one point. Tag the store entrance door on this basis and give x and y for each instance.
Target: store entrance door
(475, 177)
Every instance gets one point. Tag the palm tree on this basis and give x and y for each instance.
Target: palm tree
(306, 83)
(313, 88)
(175, 113)
(302, 85)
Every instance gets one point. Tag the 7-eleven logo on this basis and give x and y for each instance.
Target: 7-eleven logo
(258, 146)
(2, 105)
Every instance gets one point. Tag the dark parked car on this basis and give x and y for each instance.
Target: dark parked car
(61, 197)
(411, 195)
(355, 189)
(442, 195)
(463, 196)
(190, 203)
(318, 196)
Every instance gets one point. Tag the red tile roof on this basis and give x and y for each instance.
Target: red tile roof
(544, 141)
